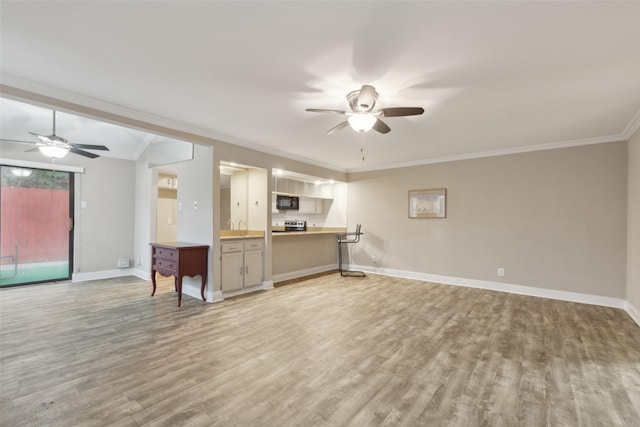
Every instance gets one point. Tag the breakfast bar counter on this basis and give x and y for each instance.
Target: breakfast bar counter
(300, 253)
(279, 231)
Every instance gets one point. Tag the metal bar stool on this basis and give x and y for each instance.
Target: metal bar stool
(347, 238)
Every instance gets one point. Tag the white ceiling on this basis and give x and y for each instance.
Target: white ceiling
(493, 77)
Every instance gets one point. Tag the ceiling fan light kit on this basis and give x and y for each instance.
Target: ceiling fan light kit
(53, 151)
(362, 117)
(362, 122)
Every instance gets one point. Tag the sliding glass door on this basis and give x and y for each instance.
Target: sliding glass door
(36, 225)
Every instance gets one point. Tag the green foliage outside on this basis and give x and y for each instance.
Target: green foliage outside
(39, 178)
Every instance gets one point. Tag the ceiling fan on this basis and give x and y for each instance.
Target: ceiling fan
(362, 116)
(57, 147)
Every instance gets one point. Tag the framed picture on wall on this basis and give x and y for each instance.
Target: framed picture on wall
(430, 203)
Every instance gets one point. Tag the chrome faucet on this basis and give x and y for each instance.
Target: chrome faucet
(240, 222)
(230, 223)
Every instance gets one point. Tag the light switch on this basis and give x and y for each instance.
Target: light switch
(179, 206)
(83, 204)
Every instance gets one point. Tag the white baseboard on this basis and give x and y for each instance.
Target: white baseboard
(104, 274)
(632, 311)
(301, 273)
(193, 290)
(215, 296)
(230, 294)
(143, 274)
(500, 287)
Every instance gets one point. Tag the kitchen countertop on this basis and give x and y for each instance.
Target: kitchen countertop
(259, 234)
(241, 235)
(310, 231)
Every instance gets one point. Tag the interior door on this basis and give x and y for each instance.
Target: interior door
(36, 225)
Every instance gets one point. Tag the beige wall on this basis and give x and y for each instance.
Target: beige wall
(633, 224)
(552, 219)
(104, 229)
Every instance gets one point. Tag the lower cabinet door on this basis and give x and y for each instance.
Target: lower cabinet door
(252, 268)
(232, 271)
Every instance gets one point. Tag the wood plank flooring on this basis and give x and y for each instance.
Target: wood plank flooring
(329, 351)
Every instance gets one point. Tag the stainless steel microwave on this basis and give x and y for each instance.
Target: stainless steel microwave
(287, 202)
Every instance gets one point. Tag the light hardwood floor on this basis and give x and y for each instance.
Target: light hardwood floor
(329, 351)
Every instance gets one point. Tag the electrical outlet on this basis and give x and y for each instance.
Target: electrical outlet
(374, 259)
(501, 272)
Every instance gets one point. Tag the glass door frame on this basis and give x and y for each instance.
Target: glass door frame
(71, 214)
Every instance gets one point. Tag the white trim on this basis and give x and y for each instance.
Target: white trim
(495, 153)
(632, 311)
(85, 101)
(142, 274)
(193, 290)
(230, 294)
(301, 273)
(40, 165)
(104, 274)
(632, 127)
(267, 284)
(215, 296)
(76, 98)
(500, 287)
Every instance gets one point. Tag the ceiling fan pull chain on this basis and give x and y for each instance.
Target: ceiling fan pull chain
(362, 145)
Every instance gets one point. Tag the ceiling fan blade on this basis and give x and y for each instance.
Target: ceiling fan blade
(90, 147)
(337, 128)
(366, 98)
(381, 126)
(19, 141)
(402, 111)
(83, 153)
(322, 110)
(32, 150)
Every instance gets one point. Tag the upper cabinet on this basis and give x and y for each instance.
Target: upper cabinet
(311, 205)
(296, 187)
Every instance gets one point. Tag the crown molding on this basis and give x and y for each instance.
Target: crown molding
(632, 127)
(23, 90)
(495, 153)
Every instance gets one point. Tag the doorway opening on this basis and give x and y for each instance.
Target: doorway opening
(167, 207)
(36, 223)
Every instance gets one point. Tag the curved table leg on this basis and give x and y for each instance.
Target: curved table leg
(204, 284)
(153, 281)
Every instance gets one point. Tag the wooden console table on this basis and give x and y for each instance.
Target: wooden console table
(179, 259)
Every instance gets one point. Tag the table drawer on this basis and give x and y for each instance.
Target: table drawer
(166, 253)
(165, 264)
(232, 247)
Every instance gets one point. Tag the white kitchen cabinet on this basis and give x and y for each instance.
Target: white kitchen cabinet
(252, 268)
(241, 264)
(232, 271)
(311, 205)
